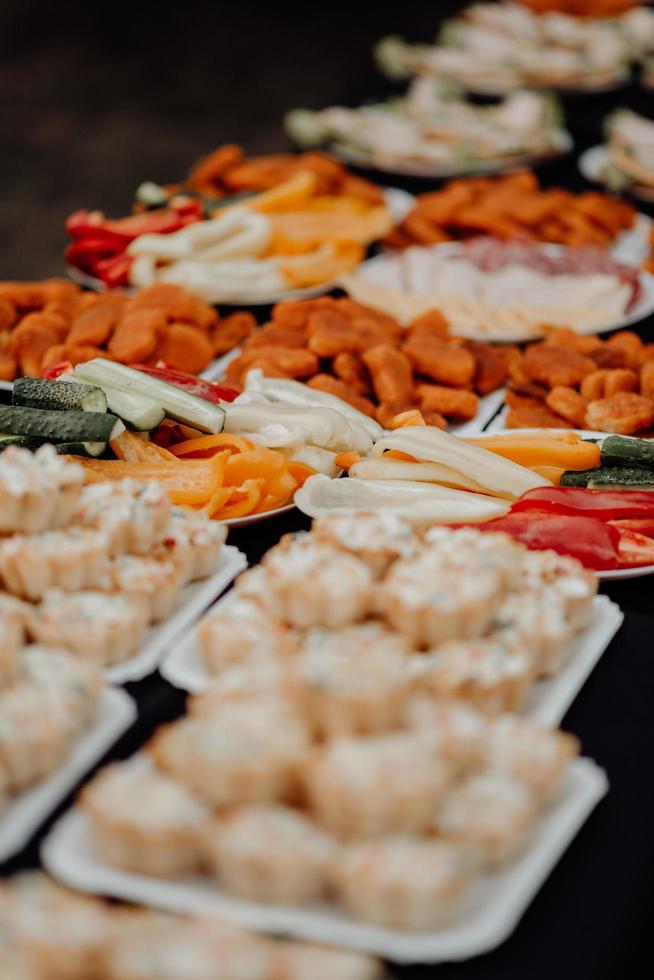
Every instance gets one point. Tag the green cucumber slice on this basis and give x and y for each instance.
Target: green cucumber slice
(52, 426)
(58, 395)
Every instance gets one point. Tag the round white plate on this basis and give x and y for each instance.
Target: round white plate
(398, 202)
(643, 308)
(255, 518)
(562, 144)
(607, 575)
(592, 164)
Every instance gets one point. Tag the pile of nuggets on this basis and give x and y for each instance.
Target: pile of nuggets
(43, 323)
(573, 381)
(513, 207)
(370, 361)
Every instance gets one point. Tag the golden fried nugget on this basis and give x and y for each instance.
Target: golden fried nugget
(534, 415)
(136, 336)
(270, 335)
(625, 413)
(609, 357)
(431, 323)
(206, 174)
(436, 419)
(293, 362)
(490, 367)
(647, 353)
(391, 372)
(350, 368)
(94, 325)
(555, 366)
(185, 347)
(325, 382)
(353, 310)
(520, 398)
(30, 340)
(8, 366)
(330, 333)
(569, 340)
(567, 403)
(453, 366)
(647, 379)
(593, 385)
(8, 314)
(631, 344)
(175, 302)
(231, 331)
(453, 403)
(621, 379)
(293, 314)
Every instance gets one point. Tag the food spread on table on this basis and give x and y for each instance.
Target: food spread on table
(362, 760)
(498, 47)
(237, 230)
(433, 130)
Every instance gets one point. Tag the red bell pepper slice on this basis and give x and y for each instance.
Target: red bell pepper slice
(208, 390)
(594, 543)
(57, 370)
(603, 504)
(641, 525)
(114, 270)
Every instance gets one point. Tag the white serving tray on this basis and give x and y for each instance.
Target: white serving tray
(593, 162)
(497, 904)
(194, 599)
(548, 700)
(25, 813)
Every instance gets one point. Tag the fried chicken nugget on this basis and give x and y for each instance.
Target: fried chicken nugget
(136, 336)
(532, 414)
(569, 340)
(453, 366)
(631, 344)
(432, 324)
(555, 366)
(270, 335)
(453, 403)
(93, 326)
(8, 366)
(625, 413)
(185, 347)
(207, 173)
(647, 379)
(231, 331)
(386, 413)
(609, 357)
(334, 386)
(293, 314)
(490, 366)
(176, 303)
(592, 386)
(8, 314)
(352, 370)
(568, 403)
(34, 295)
(621, 379)
(354, 311)
(330, 333)
(293, 362)
(391, 372)
(32, 337)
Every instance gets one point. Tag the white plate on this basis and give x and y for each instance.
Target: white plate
(498, 425)
(592, 164)
(25, 813)
(255, 518)
(562, 143)
(370, 271)
(497, 904)
(194, 599)
(398, 202)
(548, 700)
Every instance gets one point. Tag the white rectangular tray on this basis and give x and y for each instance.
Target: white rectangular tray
(497, 904)
(25, 813)
(547, 703)
(194, 599)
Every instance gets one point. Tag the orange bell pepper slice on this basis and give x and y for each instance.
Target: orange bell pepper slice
(345, 460)
(300, 472)
(190, 483)
(244, 500)
(208, 445)
(398, 454)
(255, 464)
(135, 449)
